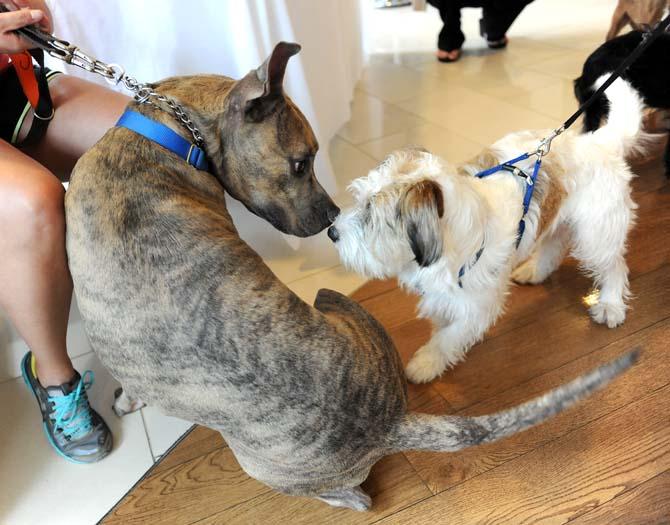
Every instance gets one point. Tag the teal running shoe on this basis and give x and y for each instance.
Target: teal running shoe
(73, 428)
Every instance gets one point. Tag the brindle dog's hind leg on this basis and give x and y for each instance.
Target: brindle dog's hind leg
(125, 404)
(353, 498)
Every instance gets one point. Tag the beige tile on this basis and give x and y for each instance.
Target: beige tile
(392, 82)
(336, 278)
(473, 70)
(556, 100)
(520, 83)
(525, 50)
(485, 68)
(480, 118)
(372, 118)
(402, 58)
(567, 66)
(435, 139)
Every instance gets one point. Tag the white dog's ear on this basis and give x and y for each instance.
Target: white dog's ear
(420, 208)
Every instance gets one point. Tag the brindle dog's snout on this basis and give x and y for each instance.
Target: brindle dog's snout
(333, 234)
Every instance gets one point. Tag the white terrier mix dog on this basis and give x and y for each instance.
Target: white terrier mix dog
(452, 237)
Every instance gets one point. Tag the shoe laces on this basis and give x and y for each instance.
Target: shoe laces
(72, 413)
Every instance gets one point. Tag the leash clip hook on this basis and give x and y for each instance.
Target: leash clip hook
(545, 144)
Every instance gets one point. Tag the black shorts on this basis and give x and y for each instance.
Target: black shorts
(15, 105)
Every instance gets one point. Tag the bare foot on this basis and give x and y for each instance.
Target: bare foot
(448, 56)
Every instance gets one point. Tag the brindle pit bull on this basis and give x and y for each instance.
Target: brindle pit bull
(188, 317)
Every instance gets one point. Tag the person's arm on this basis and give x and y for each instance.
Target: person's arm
(24, 13)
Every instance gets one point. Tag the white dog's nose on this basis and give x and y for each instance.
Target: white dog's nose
(333, 234)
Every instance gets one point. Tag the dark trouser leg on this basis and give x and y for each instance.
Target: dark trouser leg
(666, 158)
(451, 37)
(499, 16)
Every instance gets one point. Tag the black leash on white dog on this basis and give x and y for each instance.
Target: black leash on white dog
(545, 144)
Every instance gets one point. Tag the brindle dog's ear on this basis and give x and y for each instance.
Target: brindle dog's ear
(271, 75)
(420, 208)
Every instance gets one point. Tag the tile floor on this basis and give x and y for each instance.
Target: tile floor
(405, 97)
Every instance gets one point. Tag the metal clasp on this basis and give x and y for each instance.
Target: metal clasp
(62, 50)
(117, 73)
(545, 143)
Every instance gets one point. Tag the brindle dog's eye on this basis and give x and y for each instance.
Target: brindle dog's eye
(299, 167)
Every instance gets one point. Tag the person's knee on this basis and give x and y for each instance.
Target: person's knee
(34, 212)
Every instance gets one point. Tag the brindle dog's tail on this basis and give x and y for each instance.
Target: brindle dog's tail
(451, 433)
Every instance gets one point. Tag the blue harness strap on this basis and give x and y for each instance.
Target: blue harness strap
(527, 197)
(164, 136)
(530, 183)
(461, 272)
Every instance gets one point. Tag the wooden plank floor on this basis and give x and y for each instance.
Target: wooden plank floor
(607, 461)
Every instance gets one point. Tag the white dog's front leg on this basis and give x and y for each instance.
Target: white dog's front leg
(445, 349)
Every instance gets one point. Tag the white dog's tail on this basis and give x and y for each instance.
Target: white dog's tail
(451, 433)
(623, 130)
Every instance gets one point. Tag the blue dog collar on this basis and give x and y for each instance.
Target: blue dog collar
(163, 135)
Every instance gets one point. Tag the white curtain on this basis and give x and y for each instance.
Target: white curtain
(154, 39)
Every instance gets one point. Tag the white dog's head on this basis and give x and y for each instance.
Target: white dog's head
(395, 220)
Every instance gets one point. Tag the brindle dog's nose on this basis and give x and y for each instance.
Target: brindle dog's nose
(333, 234)
(333, 212)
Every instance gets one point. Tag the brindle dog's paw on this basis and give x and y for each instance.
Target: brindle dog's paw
(123, 404)
(354, 499)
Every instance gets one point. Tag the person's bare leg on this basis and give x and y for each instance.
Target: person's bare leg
(35, 283)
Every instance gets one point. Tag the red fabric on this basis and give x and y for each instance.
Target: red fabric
(4, 61)
(23, 64)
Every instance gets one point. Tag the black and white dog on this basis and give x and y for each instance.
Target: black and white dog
(649, 75)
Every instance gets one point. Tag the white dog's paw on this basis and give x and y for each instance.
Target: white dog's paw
(526, 273)
(610, 314)
(427, 364)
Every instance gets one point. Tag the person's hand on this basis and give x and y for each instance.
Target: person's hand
(25, 12)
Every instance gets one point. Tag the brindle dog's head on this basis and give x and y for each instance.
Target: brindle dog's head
(268, 150)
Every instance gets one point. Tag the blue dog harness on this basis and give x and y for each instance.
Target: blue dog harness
(530, 184)
(527, 197)
(166, 137)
